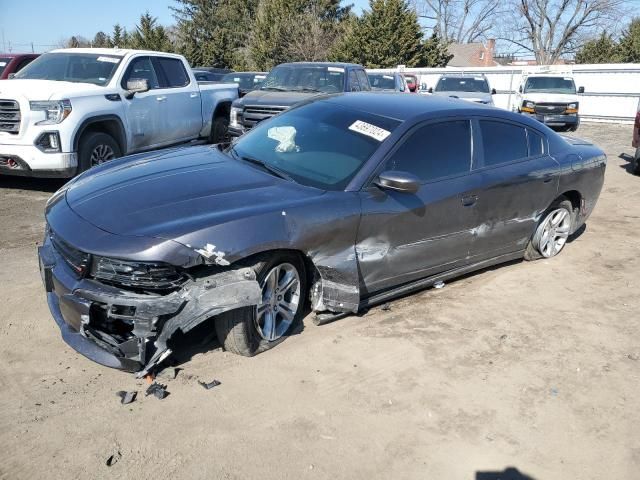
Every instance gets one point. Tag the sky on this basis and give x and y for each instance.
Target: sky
(47, 22)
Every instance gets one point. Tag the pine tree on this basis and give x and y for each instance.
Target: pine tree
(118, 37)
(150, 36)
(600, 50)
(385, 36)
(214, 33)
(101, 40)
(435, 52)
(629, 46)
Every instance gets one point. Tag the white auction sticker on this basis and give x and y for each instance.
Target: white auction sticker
(108, 59)
(388, 76)
(336, 69)
(369, 130)
(3, 64)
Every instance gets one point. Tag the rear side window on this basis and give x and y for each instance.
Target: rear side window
(502, 142)
(364, 81)
(535, 143)
(435, 151)
(354, 86)
(174, 73)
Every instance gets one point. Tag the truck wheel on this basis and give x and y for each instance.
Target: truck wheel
(219, 130)
(96, 148)
(552, 232)
(251, 330)
(635, 163)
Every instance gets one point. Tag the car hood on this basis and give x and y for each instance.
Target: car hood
(281, 99)
(173, 194)
(469, 96)
(47, 89)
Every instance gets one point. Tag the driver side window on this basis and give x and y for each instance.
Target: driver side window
(141, 68)
(354, 86)
(435, 151)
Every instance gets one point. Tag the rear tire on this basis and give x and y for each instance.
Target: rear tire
(96, 148)
(220, 130)
(552, 231)
(635, 163)
(250, 330)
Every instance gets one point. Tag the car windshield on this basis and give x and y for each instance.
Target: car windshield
(462, 84)
(305, 78)
(550, 85)
(3, 64)
(72, 67)
(320, 144)
(247, 81)
(382, 82)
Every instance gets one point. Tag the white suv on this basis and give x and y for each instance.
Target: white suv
(74, 108)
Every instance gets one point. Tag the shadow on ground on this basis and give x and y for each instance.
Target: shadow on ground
(34, 184)
(509, 473)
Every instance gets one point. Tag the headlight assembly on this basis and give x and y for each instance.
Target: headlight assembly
(145, 275)
(55, 111)
(234, 117)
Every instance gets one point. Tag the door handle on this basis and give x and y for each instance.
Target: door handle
(469, 200)
(547, 179)
(193, 95)
(161, 99)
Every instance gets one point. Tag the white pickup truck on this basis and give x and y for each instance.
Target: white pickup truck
(74, 108)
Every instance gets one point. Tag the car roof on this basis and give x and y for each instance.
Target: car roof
(321, 64)
(463, 75)
(15, 55)
(113, 51)
(403, 107)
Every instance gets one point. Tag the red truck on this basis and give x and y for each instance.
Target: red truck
(635, 142)
(14, 62)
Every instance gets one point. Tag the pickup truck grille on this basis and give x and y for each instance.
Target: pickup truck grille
(254, 114)
(551, 108)
(9, 116)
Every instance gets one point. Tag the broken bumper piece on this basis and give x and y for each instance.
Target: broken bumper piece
(132, 331)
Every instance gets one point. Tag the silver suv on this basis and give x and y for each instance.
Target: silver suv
(473, 88)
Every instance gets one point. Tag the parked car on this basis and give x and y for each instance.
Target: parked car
(12, 63)
(247, 81)
(635, 142)
(551, 99)
(291, 83)
(72, 109)
(473, 88)
(412, 82)
(387, 82)
(345, 201)
(211, 74)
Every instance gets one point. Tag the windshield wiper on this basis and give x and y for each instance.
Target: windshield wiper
(276, 89)
(307, 89)
(265, 166)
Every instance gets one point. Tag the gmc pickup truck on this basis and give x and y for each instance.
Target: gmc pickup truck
(291, 83)
(71, 109)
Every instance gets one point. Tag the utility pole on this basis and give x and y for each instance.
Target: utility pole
(4, 47)
(32, 48)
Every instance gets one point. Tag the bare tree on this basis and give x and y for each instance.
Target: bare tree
(552, 28)
(460, 21)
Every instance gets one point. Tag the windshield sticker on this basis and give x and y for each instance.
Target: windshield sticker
(3, 64)
(478, 78)
(286, 138)
(335, 69)
(108, 59)
(388, 76)
(568, 78)
(369, 130)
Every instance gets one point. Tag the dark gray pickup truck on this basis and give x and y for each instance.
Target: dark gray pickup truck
(291, 83)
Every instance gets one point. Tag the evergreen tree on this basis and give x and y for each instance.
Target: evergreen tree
(101, 40)
(629, 46)
(435, 52)
(385, 36)
(118, 37)
(214, 33)
(600, 50)
(150, 36)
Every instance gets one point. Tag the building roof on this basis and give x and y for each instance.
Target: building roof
(471, 54)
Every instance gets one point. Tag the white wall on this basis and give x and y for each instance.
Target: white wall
(611, 93)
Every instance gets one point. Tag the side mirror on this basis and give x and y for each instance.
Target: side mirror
(11, 75)
(136, 85)
(493, 91)
(581, 90)
(430, 90)
(520, 89)
(398, 181)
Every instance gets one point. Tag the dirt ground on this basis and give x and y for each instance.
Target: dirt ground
(532, 366)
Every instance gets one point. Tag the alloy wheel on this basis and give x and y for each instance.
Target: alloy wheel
(280, 302)
(553, 232)
(101, 153)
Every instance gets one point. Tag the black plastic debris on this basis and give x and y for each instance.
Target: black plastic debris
(113, 459)
(126, 397)
(386, 307)
(209, 385)
(157, 390)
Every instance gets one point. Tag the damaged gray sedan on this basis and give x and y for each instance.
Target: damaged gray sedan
(337, 204)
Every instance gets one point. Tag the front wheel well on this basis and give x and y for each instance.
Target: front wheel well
(223, 109)
(111, 127)
(575, 198)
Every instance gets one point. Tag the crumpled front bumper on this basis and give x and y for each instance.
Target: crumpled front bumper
(129, 331)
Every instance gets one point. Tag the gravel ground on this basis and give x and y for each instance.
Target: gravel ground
(531, 365)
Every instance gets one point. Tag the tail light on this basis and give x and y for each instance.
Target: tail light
(638, 119)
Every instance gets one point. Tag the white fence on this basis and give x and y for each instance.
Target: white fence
(611, 94)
